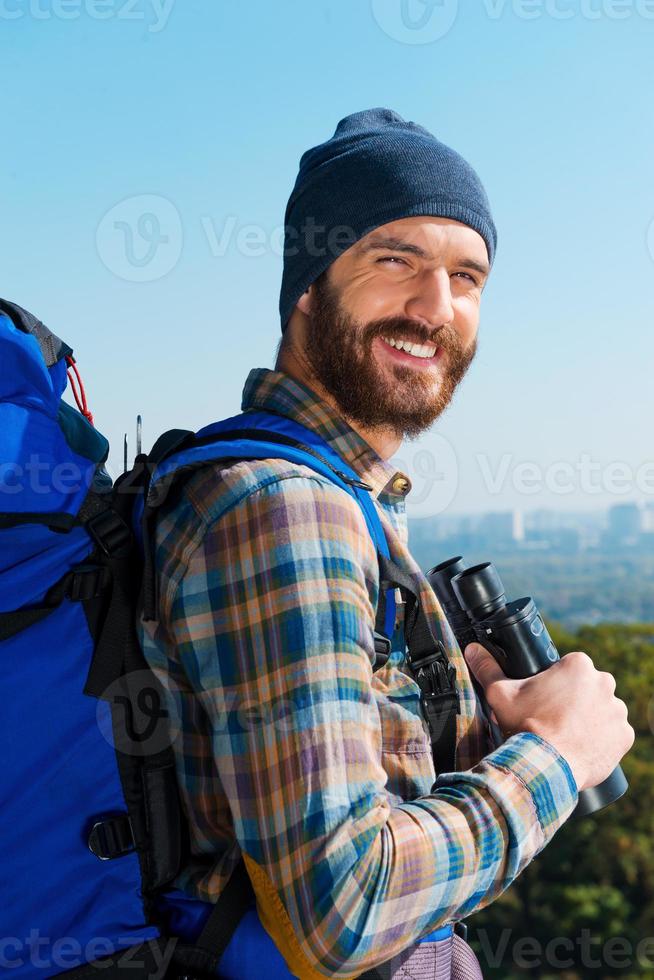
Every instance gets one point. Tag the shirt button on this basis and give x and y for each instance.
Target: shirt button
(401, 485)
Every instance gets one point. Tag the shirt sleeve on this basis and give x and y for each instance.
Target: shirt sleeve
(273, 622)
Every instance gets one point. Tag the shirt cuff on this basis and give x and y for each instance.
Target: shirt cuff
(544, 772)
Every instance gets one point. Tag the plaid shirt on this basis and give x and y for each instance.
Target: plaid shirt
(290, 750)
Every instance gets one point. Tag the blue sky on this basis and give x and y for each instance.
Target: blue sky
(158, 140)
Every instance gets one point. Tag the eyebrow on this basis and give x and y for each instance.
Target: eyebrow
(399, 245)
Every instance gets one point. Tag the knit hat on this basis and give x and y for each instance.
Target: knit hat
(376, 168)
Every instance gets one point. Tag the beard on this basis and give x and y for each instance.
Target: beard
(403, 399)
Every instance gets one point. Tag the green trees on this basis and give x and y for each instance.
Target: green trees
(585, 906)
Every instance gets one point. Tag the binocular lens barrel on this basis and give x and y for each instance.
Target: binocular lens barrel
(479, 590)
(440, 578)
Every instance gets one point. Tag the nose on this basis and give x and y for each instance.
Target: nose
(431, 300)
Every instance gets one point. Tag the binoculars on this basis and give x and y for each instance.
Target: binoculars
(475, 604)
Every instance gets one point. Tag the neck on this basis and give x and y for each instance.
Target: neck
(384, 441)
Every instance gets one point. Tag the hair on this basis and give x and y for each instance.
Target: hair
(322, 281)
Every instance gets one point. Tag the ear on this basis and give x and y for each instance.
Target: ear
(304, 302)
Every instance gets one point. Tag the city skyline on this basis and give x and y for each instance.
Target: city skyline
(624, 531)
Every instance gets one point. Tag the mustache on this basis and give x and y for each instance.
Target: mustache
(444, 336)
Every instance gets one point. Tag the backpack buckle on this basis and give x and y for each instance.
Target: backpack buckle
(434, 674)
(382, 650)
(88, 582)
(111, 533)
(112, 837)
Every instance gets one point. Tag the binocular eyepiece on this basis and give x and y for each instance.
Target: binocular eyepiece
(475, 604)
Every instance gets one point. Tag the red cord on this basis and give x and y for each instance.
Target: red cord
(80, 397)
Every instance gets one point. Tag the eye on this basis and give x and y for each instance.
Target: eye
(467, 276)
(392, 258)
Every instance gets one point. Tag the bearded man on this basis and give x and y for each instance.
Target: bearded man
(297, 759)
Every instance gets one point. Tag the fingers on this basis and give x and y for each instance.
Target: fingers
(484, 666)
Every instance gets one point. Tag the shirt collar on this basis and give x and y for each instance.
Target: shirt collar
(279, 392)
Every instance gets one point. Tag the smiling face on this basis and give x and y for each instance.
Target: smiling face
(414, 283)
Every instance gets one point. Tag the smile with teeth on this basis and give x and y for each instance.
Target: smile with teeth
(416, 350)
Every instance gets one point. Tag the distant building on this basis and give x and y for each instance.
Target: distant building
(564, 540)
(624, 524)
(501, 528)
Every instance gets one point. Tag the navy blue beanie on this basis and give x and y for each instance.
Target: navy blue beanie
(376, 168)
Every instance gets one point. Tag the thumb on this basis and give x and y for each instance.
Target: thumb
(483, 665)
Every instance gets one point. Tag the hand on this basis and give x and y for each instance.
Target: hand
(571, 705)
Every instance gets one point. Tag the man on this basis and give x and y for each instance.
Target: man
(292, 753)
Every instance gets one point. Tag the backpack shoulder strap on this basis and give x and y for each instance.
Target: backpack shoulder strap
(428, 663)
(249, 436)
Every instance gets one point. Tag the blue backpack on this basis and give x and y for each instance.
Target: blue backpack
(92, 827)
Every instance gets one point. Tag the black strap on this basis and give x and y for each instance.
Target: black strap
(21, 619)
(118, 642)
(428, 663)
(235, 899)
(80, 584)
(168, 443)
(117, 675)
(109, 657)
(55, 521)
